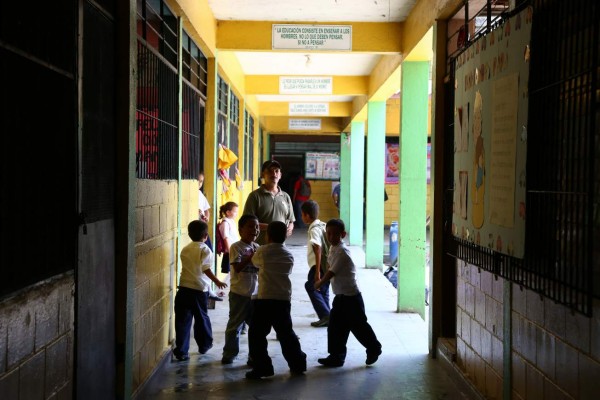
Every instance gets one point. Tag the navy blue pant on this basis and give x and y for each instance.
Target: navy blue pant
(192, 304)
(348, 315)
(274, 314)
(318, 298)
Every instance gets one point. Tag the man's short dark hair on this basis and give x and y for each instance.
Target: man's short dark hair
(277, 231)
(197, 230)
(245, 218)
(337, 223)
(270, 164)
(310, 208)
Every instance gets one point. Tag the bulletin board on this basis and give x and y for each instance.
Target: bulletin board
(490, 138)
(322, 166)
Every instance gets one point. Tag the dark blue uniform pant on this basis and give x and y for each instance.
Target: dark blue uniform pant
(192, 304)
(348, 315)
(318, 298)
(274, 314)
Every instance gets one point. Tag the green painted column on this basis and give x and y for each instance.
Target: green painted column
(375, 183)
(413, 188)
(345, 178)
(355, 185)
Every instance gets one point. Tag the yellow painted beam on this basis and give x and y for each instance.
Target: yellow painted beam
(385, 78)
(342, 85)
(422, 17)
(199, 23)
(371, 37)
(281, 109)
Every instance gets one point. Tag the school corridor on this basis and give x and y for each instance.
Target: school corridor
(404, 370)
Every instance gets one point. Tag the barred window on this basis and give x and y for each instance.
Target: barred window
(195, 65)
(156, 116)
(157, 26)
(234, 129)
(248, 146)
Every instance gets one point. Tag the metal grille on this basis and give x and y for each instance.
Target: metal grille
(192, 132)
(195, 65)
(157, 26)
(562, 139)
(234, 130)
(156, 116)
(248, 147)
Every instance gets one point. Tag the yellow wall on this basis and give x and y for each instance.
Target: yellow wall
(156, 259)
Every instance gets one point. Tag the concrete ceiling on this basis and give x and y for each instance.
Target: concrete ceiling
(310, 62)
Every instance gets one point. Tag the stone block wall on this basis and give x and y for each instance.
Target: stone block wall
(156, 267)
(36, 341)
(555, 352)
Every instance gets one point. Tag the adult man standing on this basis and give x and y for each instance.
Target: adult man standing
(269, 203)
(302, 191)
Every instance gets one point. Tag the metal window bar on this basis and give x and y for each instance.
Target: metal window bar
(563, 108)
(156, 115)
(192, 132)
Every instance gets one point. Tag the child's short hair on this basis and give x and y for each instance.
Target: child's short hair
(337, 223)
(310, 208)
(245, 218)
(277, 231)
(197, 230)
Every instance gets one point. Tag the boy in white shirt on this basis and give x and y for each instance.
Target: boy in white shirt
(273, 305)
(244, 284)
(317, 251)
(348, 309)
(191, 300)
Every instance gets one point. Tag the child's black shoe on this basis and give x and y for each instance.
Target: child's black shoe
(330, 362)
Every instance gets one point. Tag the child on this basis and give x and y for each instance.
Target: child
(228, 230)
(244, 285)
(348, 310)
(317, 257)
(191, 300)
(272, 307)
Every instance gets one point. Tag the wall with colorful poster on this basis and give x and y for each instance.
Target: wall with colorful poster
(490, 138)
(322, 166)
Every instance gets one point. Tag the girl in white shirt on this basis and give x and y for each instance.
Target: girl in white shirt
(228, 230)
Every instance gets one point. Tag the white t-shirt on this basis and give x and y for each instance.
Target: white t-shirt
(275, 263)
(196, 258)
(316, 231)
(202, 202)
(245, 282)
(341, 264)
(229, 230)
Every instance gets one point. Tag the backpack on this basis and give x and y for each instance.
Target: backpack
(304, 190)
(219, 241)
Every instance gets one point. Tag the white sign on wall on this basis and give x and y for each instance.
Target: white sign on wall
(304, 124)
(305, 85)
(309, 109)
(312, 37)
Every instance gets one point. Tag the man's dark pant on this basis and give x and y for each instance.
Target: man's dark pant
(348, 315)
(274, 314)
(192, 303)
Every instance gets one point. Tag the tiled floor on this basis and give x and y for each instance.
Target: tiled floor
(404, 370)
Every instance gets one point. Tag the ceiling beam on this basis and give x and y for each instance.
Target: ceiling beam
(367, 37)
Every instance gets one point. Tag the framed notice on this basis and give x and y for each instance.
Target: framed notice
(324, 166)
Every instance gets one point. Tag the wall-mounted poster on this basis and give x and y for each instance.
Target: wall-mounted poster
(491, 96)
(392, 162)
(322, 166)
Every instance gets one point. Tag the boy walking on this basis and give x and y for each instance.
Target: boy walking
(191, 300)
(273, 305)
(348, 310)
(317, 251)
(244, 285)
